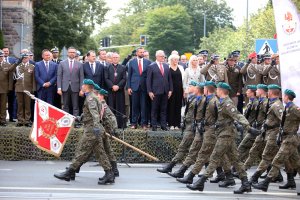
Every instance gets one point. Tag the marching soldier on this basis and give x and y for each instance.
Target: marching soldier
(198, 138)
(234, 78)
(24, 77)
(271, 71)
(91, 139)
(187, 129)
(214, 71)
(261, 111)
(225, 145)
(270, 129)
(288, 151)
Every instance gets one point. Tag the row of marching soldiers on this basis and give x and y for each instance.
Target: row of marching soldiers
(97, 119)
(211, 124)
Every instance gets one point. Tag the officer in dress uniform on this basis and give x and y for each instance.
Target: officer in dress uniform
(204, 54)
(271, 72)
(215, 71)
(55, 55)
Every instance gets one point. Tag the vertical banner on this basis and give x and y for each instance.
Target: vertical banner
(287, 19)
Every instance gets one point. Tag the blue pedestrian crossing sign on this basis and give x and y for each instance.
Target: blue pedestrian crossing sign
(264, 46)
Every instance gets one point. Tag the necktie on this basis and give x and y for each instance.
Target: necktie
(140, 67)
(47, 66)
(92, 68)
(161, 69)
(6, 59)
(71, 66)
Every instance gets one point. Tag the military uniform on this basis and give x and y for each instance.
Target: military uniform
(216, 73)
(271, 74)
(235, 82)
(252, 74)
(5, 68)
(25, 80)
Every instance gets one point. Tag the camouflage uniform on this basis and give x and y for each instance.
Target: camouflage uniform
(249, 139)
(189, 135)
(271, 74)
(288, 151)
(225, 145)
(273, 123)
(209, 137)
(198, 139)
(90, 141)
(259, 143)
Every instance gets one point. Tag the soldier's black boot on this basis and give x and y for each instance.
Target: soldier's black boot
(115, 168)
(279, 178)
(245, 187)
(179, 173)
(167, 168)
(265, 175)
(219, 177)
(262, 185)
(290, 182)
(187, 179)
(198, 185)
(72, 175)
(254, 177)
(108, 178)
(66, 175)
(229, 181)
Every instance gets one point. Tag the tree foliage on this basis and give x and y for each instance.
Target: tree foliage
(1, 40)
(66, 23)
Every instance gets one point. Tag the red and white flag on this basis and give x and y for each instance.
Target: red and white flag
(51, 127)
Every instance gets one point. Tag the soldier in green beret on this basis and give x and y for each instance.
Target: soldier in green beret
(288, 152)
(188, 134)
(270, 130)
(91, 141)
(198, 137)
(225, 145)
(261, 110)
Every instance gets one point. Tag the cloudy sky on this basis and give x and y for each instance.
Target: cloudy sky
(239, 9)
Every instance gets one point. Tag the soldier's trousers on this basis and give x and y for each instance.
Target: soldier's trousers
(288, 153)
(225, 146)
(108, 150)
(24, 111)
(245, 146)
(255, 152)
(3, 101)
(268, 155)
(193, 151)
(88, 143)
(184, 146)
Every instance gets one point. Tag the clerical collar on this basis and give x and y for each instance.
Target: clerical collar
(289, 104)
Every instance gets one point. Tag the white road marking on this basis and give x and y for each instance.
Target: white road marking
(5, 169)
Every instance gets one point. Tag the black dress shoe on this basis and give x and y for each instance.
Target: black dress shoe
(28, 124)
(154, 128)
(19, 125)
(165, 128)
(3, 124)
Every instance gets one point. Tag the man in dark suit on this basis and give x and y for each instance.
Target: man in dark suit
(115, 80)
(136, 84)
(102, 58)
(159, 88)
(93, 70)
(45, 73)
(11, 95)
(69, 81)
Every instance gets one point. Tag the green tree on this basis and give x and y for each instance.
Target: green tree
(66, 23)
(1, 40)
(169, 28)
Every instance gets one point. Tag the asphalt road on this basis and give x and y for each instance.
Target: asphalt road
(34, 180)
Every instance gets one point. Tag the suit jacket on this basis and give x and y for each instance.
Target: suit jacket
(65, 78)
(119, 80)
(158, 83)
(134, 79)
(11, 60)
(41, 75)
(98, 76)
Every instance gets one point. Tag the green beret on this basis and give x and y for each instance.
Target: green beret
(262, 86)
(103, 92)
(88, 82)
(97, 87)
(193, 83)
(251, 87)
(290, 92)
(200, 85)
(223, 85)
(208, 83)
(274, 87)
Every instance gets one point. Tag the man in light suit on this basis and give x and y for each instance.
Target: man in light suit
(136, 84)
(45, 77)
(93, 70)
(159, 88)
(69, 81)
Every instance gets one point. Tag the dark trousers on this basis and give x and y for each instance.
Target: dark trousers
(240, 104)
(159, 104)
(139, 107)
(116, 101)
(12, 105)
(46, 94)
(70, 97)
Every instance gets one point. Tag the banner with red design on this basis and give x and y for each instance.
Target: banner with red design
(51, 127)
